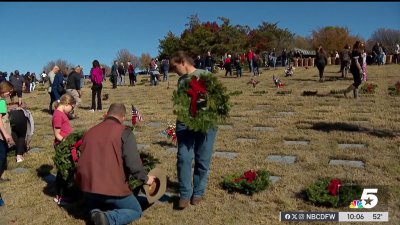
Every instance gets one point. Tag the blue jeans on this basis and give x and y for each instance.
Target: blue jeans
(121, 80)
(208, 68)
(165, 77)
(239, 72)
(195, 145)
(250, 61)
(120, 210)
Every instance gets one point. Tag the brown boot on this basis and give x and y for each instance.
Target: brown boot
(183, 203)
(349, 89)
(196, 200)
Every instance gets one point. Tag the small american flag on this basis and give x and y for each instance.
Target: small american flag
(135, 115)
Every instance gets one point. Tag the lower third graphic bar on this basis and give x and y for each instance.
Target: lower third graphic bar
(309, 216)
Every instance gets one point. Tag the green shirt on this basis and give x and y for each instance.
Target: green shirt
(3, 106)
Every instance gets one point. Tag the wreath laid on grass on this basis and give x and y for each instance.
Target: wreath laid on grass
(310, 93)
(333, 192)
(260, 92)
(394, 90)
(368, 88)
(284, 92)
(235, 93)
(201, 102)
(248, 183)
(67, 156)
(334, 92)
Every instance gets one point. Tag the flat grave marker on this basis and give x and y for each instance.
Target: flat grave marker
(225, 126)
(154, 124)
(305, 142)
(36, 150)
(20, 170)
(246, 140)
(262, 128)
(227, 155)
(351, 163)
(289, 159)
(142, 146)
(345, 146)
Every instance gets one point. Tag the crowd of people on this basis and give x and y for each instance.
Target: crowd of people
(109, 151)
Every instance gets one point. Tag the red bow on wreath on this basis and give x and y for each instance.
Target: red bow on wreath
(73, 150)
(250, 176)
(197, 87)
(333, 187)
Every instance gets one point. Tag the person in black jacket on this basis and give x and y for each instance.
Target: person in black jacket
(73, 87)
(209, 62)
(355, 69)
(321, 61)
(18, 82)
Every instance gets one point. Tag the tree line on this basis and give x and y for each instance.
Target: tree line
(221, 37)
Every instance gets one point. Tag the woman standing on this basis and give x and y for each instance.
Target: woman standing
(96, 76)
(321, 61)
(355, 69)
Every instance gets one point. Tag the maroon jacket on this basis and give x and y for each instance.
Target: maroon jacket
(108, 155)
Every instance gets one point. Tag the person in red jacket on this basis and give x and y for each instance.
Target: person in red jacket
(250, 60)
(109, 155)
(228, 65)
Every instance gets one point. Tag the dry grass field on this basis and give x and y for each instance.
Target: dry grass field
(326, 121)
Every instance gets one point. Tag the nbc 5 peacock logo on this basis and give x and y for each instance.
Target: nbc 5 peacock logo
(368, 199)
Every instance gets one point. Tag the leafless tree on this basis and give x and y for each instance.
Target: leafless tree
(124, 56)
(64, 65)
(107, 68)
(387, 37)
(145, 60)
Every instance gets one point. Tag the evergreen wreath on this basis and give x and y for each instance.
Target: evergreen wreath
(66, 165)
(333, 192)
(368, 88)
(248, 183)
(149, 163)
(63, 159)
(395, 89)
(216, 109)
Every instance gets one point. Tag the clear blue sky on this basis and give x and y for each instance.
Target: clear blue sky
(34, 33)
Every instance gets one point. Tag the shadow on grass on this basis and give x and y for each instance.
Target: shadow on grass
(76, 208)
(164, 144)
(85, 107)
(339, 126)
(46, 111)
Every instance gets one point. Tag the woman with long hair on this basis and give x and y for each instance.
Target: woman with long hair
(355, 69)
(96, 76)
(321, 61)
